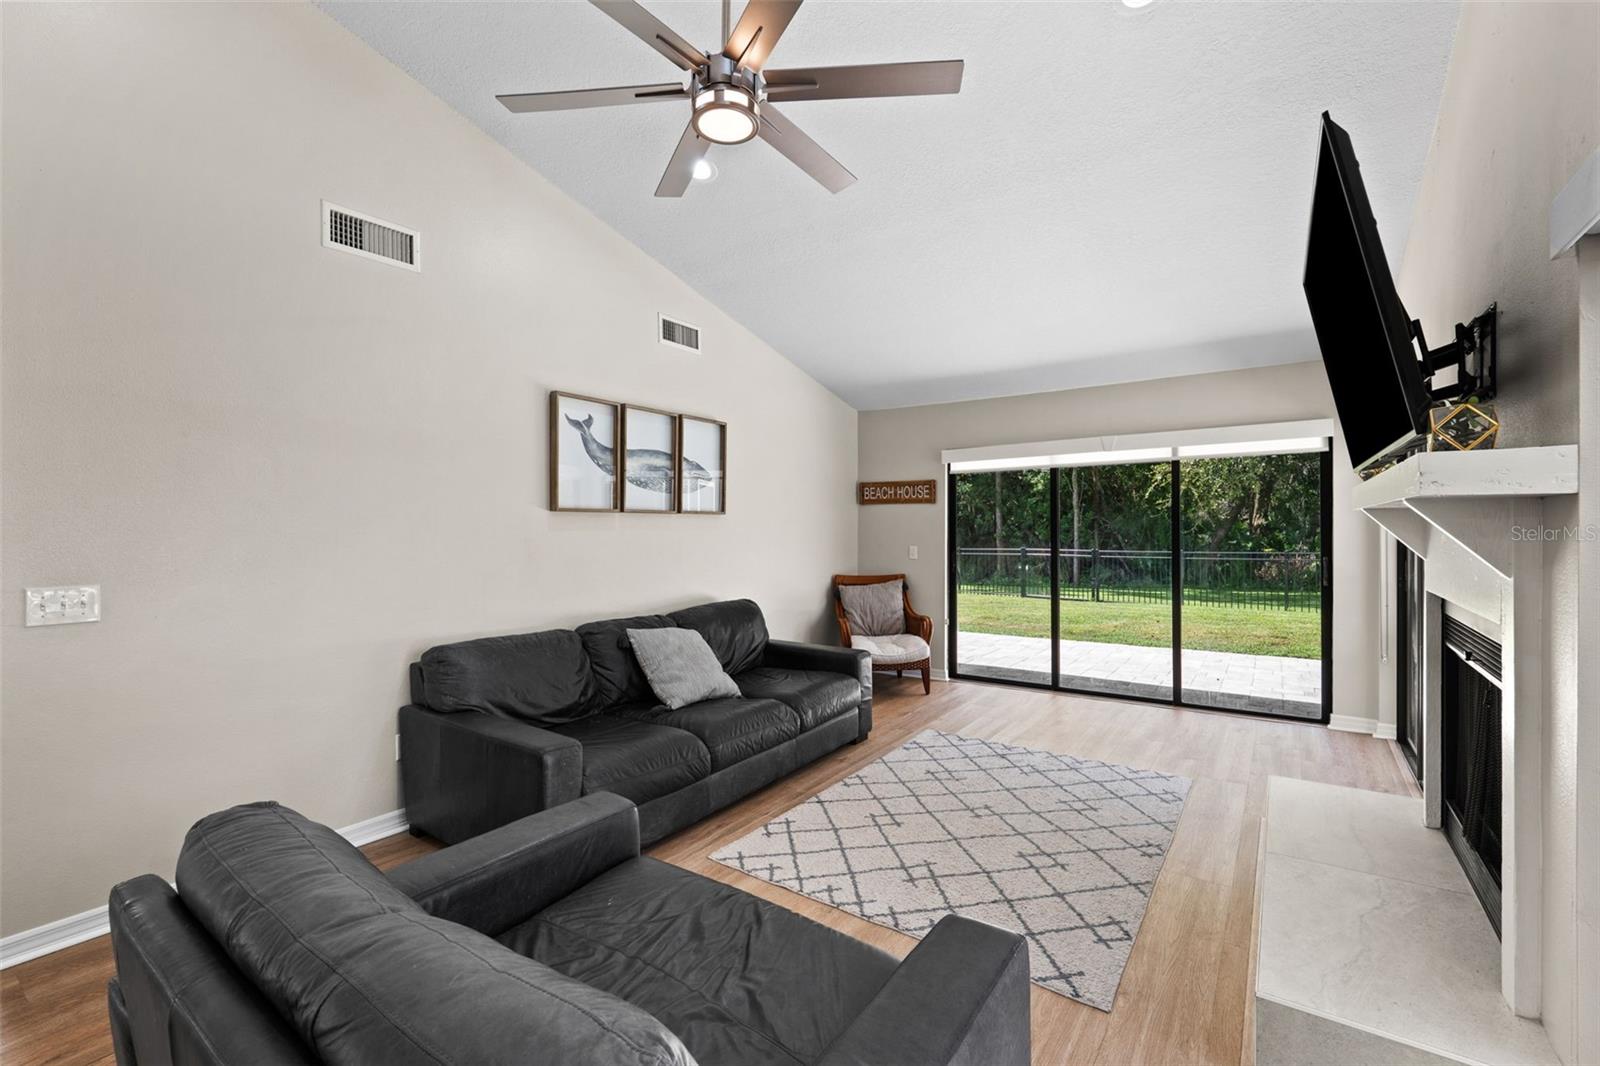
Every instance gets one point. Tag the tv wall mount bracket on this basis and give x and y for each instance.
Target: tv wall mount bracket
(1472, 354)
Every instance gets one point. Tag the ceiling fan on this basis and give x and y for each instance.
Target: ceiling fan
(730, 92)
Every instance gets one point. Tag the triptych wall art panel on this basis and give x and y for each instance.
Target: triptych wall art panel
(671, 463)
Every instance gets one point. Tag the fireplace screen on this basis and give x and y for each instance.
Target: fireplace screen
(1471, 742)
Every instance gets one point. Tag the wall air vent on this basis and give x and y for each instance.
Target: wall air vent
(371, 238)
(679, 334)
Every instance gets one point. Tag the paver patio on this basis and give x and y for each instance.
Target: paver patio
(1268, 683)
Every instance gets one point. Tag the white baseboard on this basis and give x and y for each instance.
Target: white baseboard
(75, 929)
(1385, 731)
(1349, 723)
(933, 674)
(384, 825)
(53, 936)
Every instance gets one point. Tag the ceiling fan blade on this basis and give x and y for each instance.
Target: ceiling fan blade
(871, 79)
(802, 151)
(652, 31)
(757, 31)
(680, 168)
(576, 98)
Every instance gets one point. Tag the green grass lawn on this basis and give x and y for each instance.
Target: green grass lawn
(1205, 628)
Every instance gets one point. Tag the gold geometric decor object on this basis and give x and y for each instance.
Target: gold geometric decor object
(1462, 426)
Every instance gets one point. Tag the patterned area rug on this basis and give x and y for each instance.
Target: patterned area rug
(1062, 850)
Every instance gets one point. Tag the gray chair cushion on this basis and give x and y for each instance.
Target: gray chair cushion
(817, 696)
(680, 666)
(636, 759)
(740, 980)
(874, 610)
(364, 975)
(900, 649)
(731, 729)
(541, 677)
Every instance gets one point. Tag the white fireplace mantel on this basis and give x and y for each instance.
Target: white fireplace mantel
(1476, 520)
(1546, 471)
(1471, 499)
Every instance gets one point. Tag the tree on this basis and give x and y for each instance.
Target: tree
(1258, 503)
(1077, 518)
(999, 520)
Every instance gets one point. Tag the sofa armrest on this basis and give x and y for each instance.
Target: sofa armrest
(797, 656)
(468, 772)
(793, 655)
(178, 997)
(961, 998)
(496, 880)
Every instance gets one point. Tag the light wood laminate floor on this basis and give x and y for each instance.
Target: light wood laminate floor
(1185, 994)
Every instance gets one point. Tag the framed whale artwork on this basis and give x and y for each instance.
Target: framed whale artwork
(703, 460)
(650, 463)
(584, 435)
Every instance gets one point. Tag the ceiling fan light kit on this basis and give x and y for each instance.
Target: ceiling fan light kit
(728, 110)
(728, 90)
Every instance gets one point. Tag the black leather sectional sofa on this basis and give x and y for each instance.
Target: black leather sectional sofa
(549, 940)
(502, 727)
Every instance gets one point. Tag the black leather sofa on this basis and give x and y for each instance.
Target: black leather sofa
(501, 727)
(549, 940)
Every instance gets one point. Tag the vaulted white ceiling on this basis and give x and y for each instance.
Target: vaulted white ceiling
(1115, 194)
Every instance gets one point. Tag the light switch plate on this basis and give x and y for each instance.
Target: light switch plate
(62, 605)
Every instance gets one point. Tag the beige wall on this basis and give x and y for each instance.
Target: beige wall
(1521, 110)
(906, 442)
(291, 469)
(1586, 867)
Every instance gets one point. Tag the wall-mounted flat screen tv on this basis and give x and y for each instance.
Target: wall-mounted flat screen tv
(1361, 325)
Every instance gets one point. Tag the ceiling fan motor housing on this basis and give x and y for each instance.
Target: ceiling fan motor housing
(727, 100)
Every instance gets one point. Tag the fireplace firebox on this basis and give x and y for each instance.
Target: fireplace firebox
(1470, 738)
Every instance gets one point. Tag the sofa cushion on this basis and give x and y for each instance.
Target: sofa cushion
(636, 759)
(817, 696)
(366, 976)
(617, 677)
(542, 677)
(738, 979)
(735, 630)
(874, 610)
(731, 729)
(680, 667)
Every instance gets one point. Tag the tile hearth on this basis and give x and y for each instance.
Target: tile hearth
(1372, 942)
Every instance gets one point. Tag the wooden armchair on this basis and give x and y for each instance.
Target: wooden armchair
(907, 650)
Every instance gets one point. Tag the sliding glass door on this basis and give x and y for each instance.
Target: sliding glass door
(1001, 562)
(1200, 580)
(1252, 583)
(1116, 579)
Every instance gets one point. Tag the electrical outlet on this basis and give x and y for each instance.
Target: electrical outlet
(913, 551)
(61, 605)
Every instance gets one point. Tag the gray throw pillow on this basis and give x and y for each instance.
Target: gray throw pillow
(680, 666)
(874, 610)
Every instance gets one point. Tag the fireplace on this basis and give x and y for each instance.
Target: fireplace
(1466, 516)
(1471, 766)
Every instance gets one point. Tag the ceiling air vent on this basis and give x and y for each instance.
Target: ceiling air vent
(679, 334)
(369, 237)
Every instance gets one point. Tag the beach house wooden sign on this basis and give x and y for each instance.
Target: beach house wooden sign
(897, 492)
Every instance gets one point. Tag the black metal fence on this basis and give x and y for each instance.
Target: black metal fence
(1285, 581)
